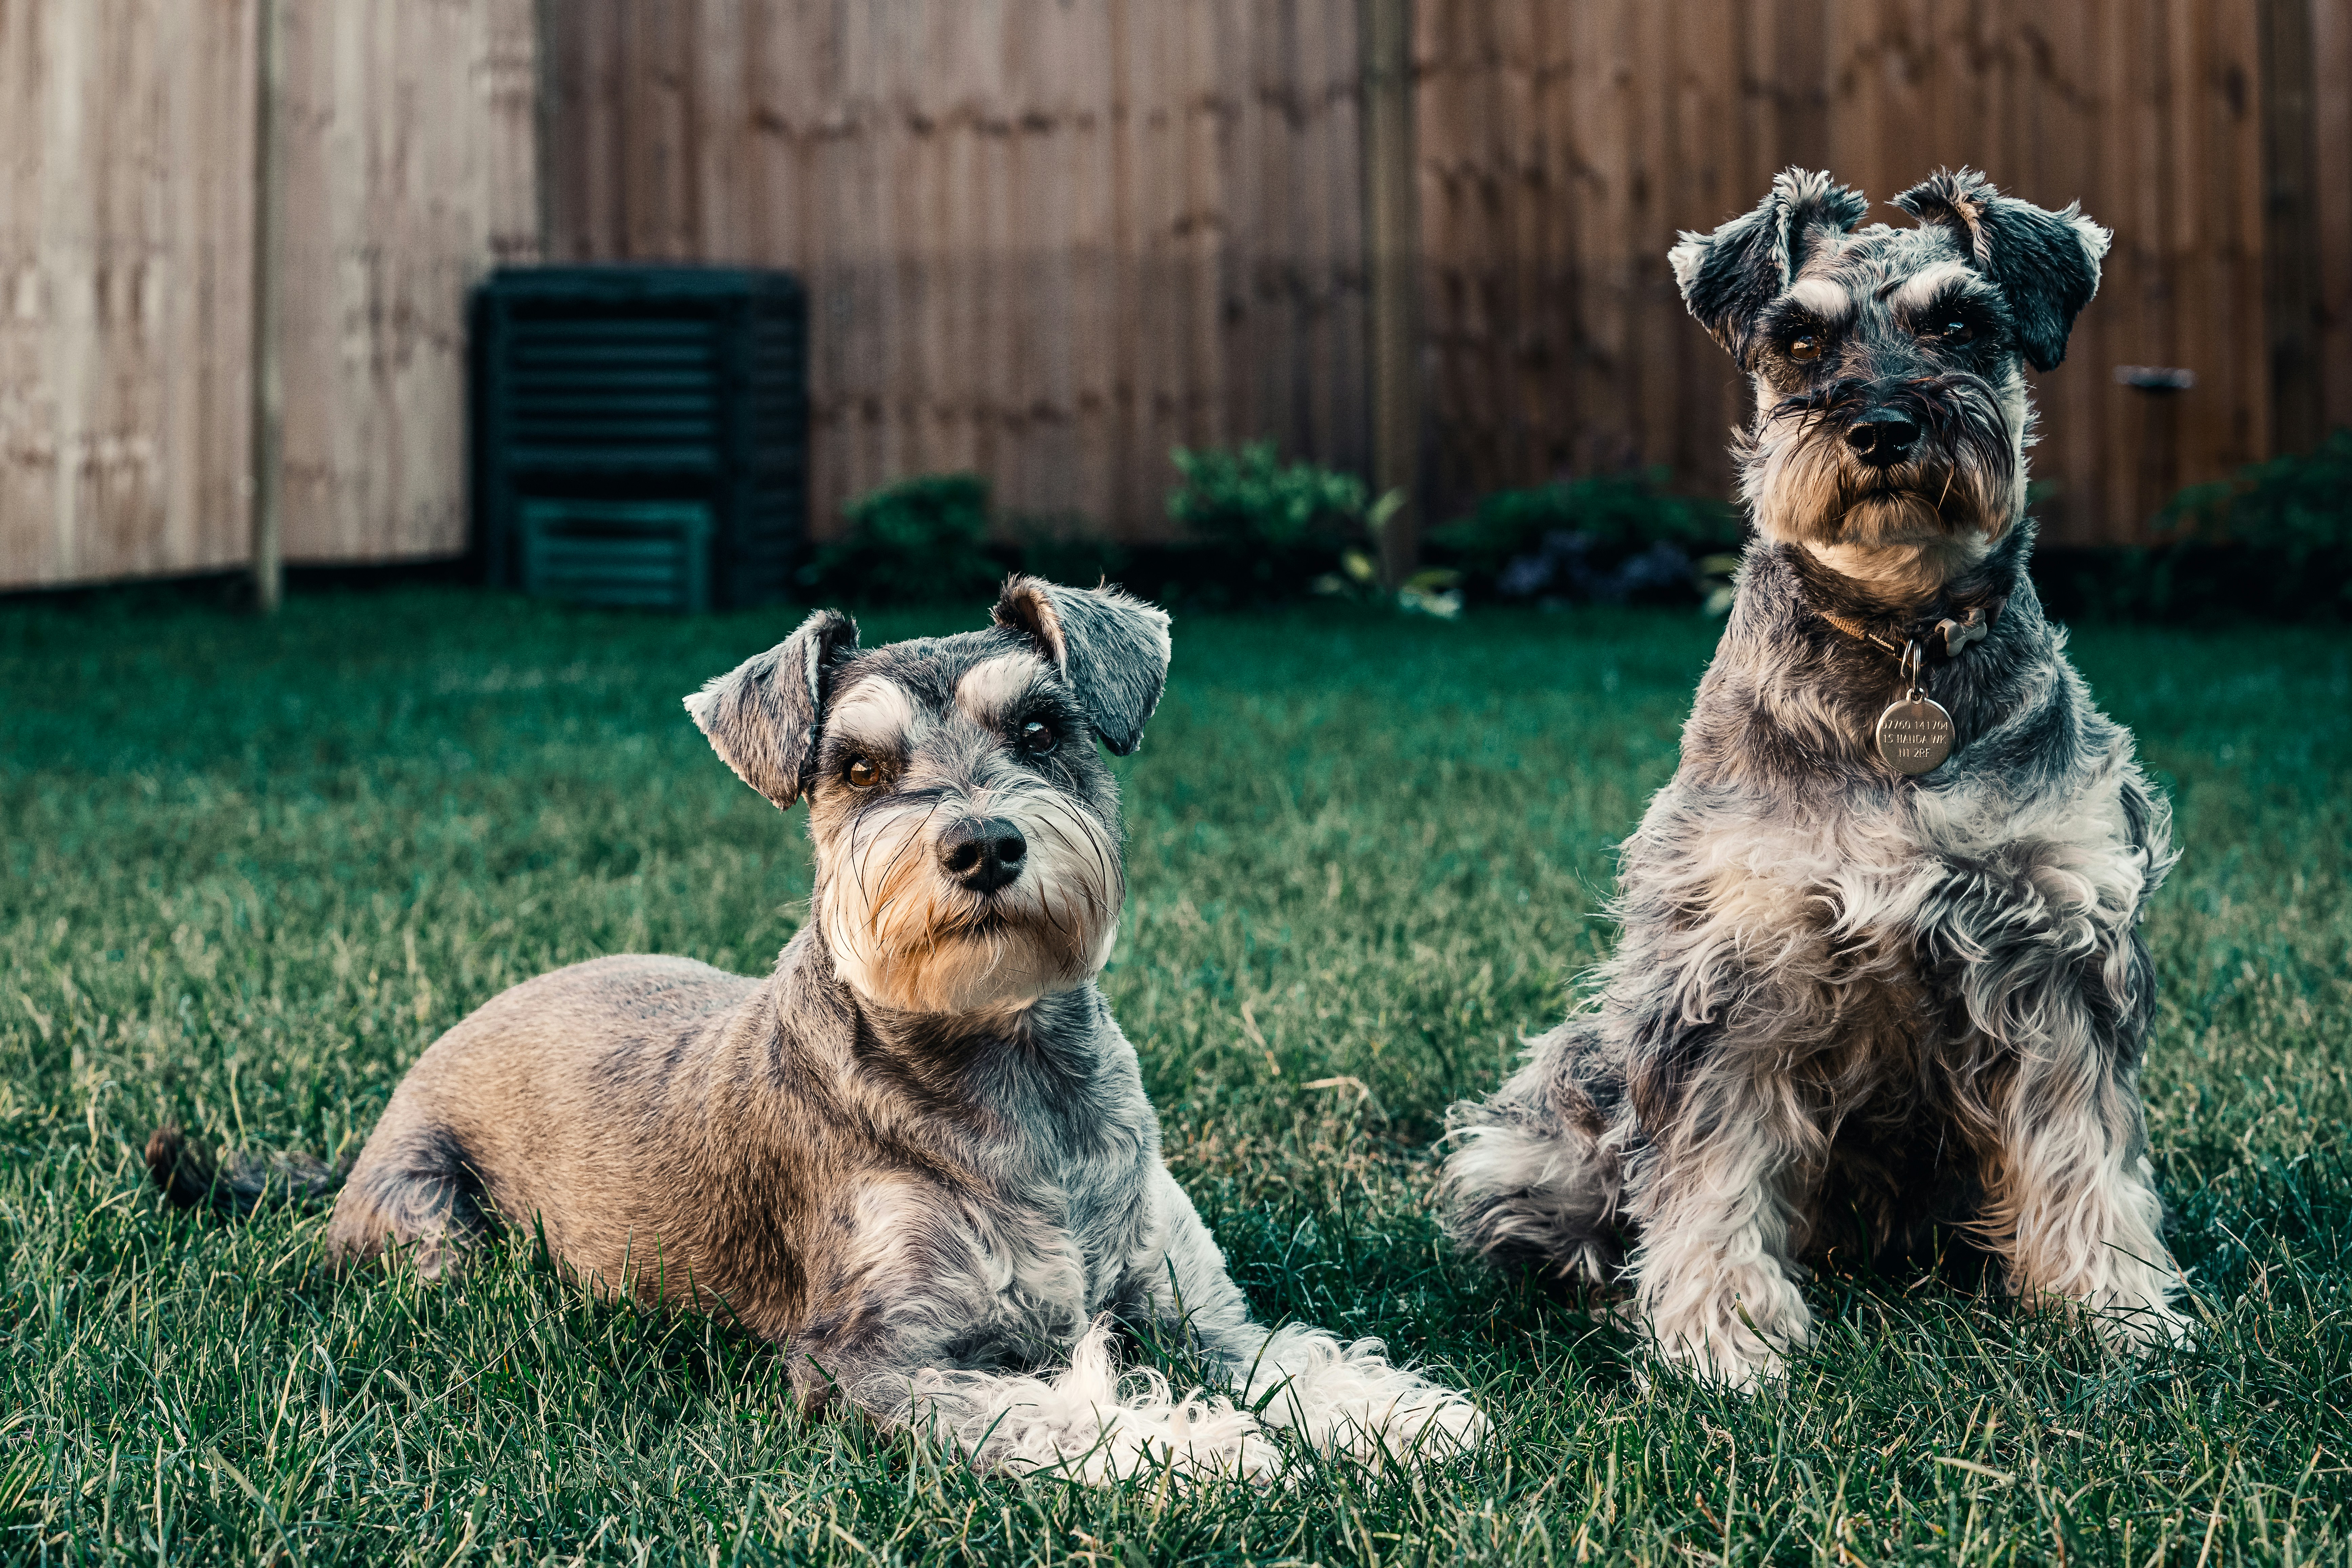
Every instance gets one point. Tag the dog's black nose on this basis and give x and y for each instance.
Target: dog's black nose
(1881, 438)
(982, 852)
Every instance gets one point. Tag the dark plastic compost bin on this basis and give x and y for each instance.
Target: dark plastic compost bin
(641, 433)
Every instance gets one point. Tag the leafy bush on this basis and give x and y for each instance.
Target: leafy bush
(919, 541)
(1264, 530)
(1611, 539)
(2289, 521)
(1249, 500)
(2275, 541)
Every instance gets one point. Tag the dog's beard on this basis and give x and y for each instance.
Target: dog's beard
(1909, 525)
(907, 937)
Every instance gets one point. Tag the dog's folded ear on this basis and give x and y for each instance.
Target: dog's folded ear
(2045, 264)
(1728, 277)
(762, 716)
(1110, 647)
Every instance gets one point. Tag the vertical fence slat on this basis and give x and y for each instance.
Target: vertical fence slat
(2331, 177)
(2291, 229)
(1392, 266)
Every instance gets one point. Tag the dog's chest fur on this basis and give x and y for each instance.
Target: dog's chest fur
(1042, 1220)
(1007, 1173)
(1832, 924)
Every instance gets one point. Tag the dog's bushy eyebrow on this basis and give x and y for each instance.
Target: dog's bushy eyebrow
(1935, 287)
(996, 688)
(1824, 300)
(877, 711)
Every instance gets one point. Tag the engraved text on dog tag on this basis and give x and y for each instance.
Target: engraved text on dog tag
(1914, 735)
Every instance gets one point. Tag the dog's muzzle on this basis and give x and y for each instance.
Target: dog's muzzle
(982, 854)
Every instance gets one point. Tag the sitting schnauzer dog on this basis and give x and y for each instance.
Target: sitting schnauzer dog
(919, 1154)
(1880, 971)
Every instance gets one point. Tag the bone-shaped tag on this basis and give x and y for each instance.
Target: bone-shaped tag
(1957, 634)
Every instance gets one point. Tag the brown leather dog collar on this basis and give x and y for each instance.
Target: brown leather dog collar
(1957, 631)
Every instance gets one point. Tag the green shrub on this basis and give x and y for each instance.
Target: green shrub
(2275, 541)
(1249, 500)
(2289, 524)
(1263, 531)
(919, 541)
(1610, 537)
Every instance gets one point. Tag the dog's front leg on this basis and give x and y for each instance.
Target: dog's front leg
(1714, 1281)
(1339, 1397)
(2073, 1199)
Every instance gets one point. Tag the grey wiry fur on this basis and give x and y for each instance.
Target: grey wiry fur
(1848, 1006)
(920, 1152)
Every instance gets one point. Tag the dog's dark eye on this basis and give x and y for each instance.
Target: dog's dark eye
(1037, 739)
(862, 774)
(1806, 346)
(1952, 329)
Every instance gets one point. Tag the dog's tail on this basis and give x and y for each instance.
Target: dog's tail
(194, 1177)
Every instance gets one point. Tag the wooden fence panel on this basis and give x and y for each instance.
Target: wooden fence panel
(1044, 241)
(409, 174)
(126, 228)
(1562, 147)
(1049, 240)
(126, 274)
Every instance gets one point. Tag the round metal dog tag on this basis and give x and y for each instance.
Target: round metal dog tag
(1914, 735)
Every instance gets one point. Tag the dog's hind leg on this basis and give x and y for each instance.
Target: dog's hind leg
(1337, 1395)
(412, 1191)
(1532, 1178)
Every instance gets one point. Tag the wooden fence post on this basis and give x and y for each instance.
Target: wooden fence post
(268, 384)
(546, 105)
(2291, 283)
(1393, 273)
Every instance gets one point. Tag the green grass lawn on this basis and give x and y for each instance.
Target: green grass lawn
(247, 872)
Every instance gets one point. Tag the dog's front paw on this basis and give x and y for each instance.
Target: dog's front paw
(2136, 1323)
(1087, 1422)
(1737, 1336)
(1743, 1368)
(1350, 1399)
(2141, 1330)
(2129, 1301)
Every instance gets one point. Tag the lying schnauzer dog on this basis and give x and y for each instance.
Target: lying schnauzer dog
(919, 1154)
(1880, 971)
